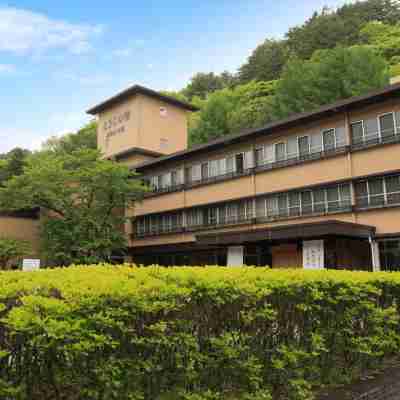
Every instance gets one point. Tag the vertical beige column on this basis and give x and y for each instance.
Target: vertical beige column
(350, 162)
(376, 260)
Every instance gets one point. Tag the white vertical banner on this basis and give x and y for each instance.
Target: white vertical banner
(313, 254)
(235, 256)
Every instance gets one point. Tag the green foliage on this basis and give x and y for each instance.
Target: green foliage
(329, 76)
(191, 333)
(203, 84)
(385, 38)
(12, 163)
(329, 28)
(84, 138)
(81, 193)
(230, 110)
(12, 250)
(265, 63)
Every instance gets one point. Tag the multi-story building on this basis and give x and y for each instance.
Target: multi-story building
(318, 189)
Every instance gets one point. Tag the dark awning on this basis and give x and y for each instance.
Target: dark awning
(293, 231)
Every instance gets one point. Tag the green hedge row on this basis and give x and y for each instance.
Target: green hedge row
(191, 333)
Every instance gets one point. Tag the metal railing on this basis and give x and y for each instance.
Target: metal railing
(325, 209)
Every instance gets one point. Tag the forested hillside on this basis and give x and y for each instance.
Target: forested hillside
(334, 54)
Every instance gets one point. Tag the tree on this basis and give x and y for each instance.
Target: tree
(84, 138)
(329, 76)
(265, 63)
(11, 250)
(385, 38)
(230, 110)
(330, 28)
(81, 194)
(203, 84)
(12, 163)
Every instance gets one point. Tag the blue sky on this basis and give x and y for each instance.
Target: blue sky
(58, 58)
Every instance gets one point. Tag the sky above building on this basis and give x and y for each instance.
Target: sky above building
(58, 58)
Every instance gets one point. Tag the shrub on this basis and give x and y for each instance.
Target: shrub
(12, 250)
(191, 333)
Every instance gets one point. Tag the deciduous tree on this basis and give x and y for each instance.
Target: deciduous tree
(82, 196)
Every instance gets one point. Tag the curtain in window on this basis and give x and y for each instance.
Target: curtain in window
(280, 151)
(393, 189)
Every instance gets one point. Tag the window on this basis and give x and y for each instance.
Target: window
(292, 147)
(283, 205)
(319, 200)
(361, 192)
(239, 162)
(214, 170)
(230, 164)
(294, 204)
(280, 151)
(232, 212)
(306, 202)
(260, 207)
(376, 192)
(242, 210)
(304, 146)
(329, 139)
(386, 126)
(259, 155)
(393, 189)
(357, 132)
(204, 171)
(174, 178)
(196, 172)
(222, 214)
(272, 206)
(249, 209)
(332, 195)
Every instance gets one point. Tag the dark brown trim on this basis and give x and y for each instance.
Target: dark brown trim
(23, 214)
(137, 89)
(135, 150)
(391, 91)
(284, 232)
(388, 235)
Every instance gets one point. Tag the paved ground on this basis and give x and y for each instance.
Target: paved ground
(382, 386)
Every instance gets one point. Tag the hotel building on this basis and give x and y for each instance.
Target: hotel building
(318, 189)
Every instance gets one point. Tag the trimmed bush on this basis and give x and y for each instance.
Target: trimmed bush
(191, 333)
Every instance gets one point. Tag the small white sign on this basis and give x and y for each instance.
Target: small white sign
(30, 264)
(313, 254)
(235, 256)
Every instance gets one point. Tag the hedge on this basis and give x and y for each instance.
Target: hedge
(107, 332)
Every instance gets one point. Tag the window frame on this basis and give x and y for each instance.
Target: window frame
(298, 146)
(323, 139)
(285, 155)
(379, 116)
(363, 131)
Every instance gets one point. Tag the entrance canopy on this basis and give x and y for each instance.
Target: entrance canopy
(293, 231)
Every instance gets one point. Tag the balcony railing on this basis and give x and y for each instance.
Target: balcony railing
(375, 138)
(379, 200)
(288, 161)
(333, 207)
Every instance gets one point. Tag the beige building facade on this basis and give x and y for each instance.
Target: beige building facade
(317, 190)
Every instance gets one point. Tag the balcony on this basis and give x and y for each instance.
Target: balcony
(280, 215)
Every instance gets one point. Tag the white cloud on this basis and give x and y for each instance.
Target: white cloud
(23, 31)
(56, 125)
(95, 79)
(7, 68)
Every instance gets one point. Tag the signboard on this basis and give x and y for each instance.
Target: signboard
(313, 254)
(115, 125)
(235, 256)
(29, 264)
